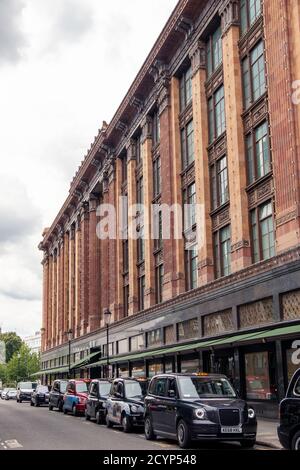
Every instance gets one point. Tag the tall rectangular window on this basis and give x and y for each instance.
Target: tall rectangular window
(141, 246)
(138, 150)
(258, 153)
(214, 51)
(159, 279)
(156, 177)
(219, 182)
(140, 191)
(125, 256)
(254, 75)
(216, 114)
(187, 145)
(126, 299)
(141, 285)
(250, 11)
(191, 268)
(155, 129)
(186, 89)
(158, 235)
(124, 169)
(222, 252)
(263, 237)
(189, 201)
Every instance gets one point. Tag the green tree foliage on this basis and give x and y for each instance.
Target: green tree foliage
(3, 373)
(23, 364)
(13, 343)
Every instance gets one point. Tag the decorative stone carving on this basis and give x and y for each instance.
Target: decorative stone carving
(256, 313)
(146, 128)
(230, 14)
(198, 56)
(186, 26)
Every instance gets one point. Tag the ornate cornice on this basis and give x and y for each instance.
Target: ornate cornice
(230, 14)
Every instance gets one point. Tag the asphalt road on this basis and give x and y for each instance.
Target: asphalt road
(28, 428)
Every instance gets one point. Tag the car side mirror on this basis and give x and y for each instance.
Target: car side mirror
(172, 394)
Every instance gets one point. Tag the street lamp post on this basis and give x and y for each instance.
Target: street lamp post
(70, 334)
(18, 374)
(107, 317)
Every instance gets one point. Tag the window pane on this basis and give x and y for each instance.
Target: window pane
(225, 250)
(262, 150)
(222, 181)
(255, 243)
(188, 86)
(211, 124)
(258, 71)
(208, 59)
(244, 22)
(254, 10)
(246, 83)
(220, 111)
(183, 148)
(250, 158)
(217, 48)
(258, 385)
(190, 143)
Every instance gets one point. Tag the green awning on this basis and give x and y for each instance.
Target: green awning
(84, 361)
(51, 371)
(237, 338)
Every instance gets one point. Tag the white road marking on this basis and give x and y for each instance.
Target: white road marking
(13, 444)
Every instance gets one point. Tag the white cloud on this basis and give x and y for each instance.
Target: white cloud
(81, 57)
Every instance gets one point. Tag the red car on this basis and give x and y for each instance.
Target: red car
(76, 396)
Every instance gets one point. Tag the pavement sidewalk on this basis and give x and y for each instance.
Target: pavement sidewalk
(267, 433)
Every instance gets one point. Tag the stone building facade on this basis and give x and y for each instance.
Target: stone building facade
(212, 119)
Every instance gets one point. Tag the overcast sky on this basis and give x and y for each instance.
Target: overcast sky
(65, 66)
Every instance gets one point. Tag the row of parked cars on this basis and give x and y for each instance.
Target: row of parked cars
(184, 407)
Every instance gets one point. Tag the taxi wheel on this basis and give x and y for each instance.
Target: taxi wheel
(149, 434)
(99, 418)
(126, 424)
(183, 435)
(248, 444)
(296, 441)
(108, 422)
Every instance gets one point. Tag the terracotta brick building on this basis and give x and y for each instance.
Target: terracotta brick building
(211, 119)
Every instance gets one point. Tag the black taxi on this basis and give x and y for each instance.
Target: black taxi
(125, 404)
(200, 406)
(289, 428)
(95, 406)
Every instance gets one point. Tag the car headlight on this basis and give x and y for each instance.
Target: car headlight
(200, 413)
(251, 413)
(134, 408)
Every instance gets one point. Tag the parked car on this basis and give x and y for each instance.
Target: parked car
(11, 394)
(125, 404)
(4, 392)
(189, 407)
(24, 391)
(289, 427)
(95, 405)
(76, 396)
(40, 396)
(56, 395)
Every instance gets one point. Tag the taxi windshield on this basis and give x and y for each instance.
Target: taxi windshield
(205, 387)
(133, 389)
(81, 387)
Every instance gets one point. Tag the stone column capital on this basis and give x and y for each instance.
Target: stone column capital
(229, 12)
(131, 150)
(146, 125)
(198, 56)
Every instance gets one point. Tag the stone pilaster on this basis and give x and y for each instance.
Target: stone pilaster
(148, 196)
(132, 243)
(66, 312)
(94, 267)
(119, 250)
(202, 179)
(281, 29)
(84, 274)
(50, 304)
(54, 301)
(240, 237)
(46, 287)
(78, 256)
(72, 276)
